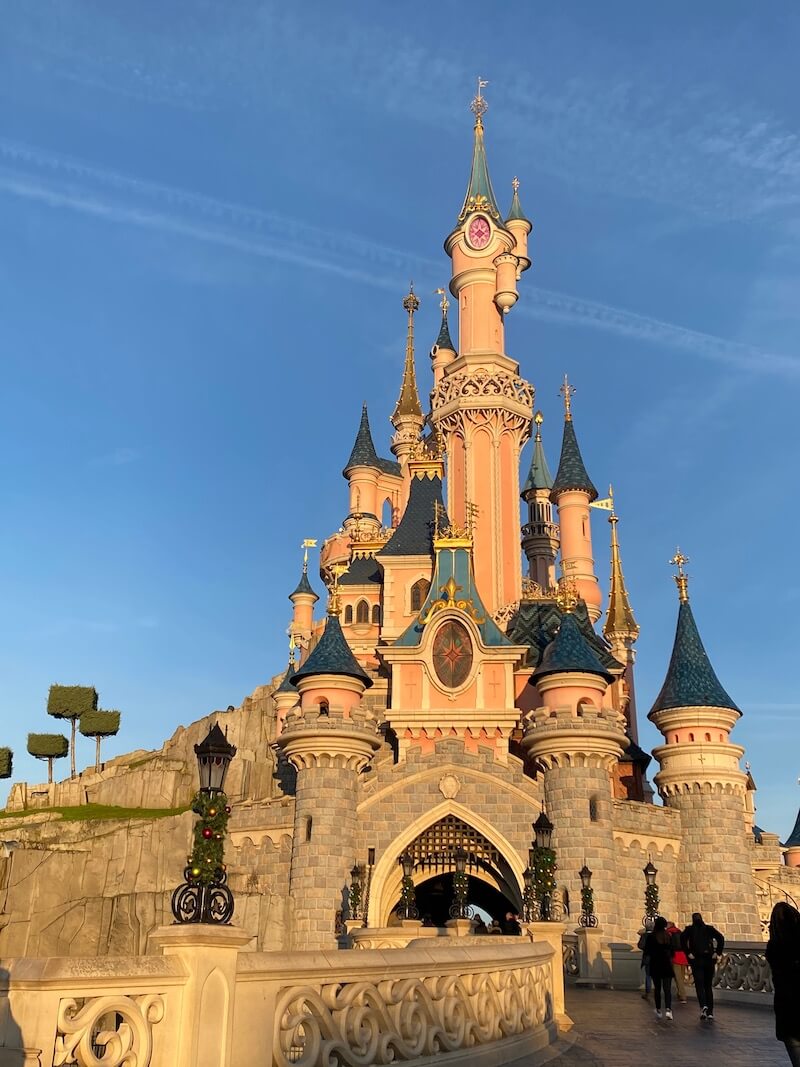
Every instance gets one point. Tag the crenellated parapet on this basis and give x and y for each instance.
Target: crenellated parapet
(329, 737)
(582, 736)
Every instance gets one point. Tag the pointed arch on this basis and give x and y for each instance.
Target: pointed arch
(386, 877)
(362, 612)
(419, 591)
(348, 615)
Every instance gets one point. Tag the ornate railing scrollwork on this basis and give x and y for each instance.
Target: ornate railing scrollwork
(193, 902)
(569, 949)
(743, 969)
(362, 1023)
(80, 1029)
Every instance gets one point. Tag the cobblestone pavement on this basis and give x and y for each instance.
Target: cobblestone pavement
(614, 1029)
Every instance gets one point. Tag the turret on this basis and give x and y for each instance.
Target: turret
(286, 695)
(303, 600)
(407, 417)
(540, 537)
(700, 776)
(575, 739)
(621, 629)
(520, 226)
(444, 351)
(480, 407)
(792, 845)
(573, 492)
(329, 740)
(363, 471)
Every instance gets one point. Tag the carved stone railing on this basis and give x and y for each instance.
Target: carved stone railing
(744, 969)
(117, 1029)
(381, 1007)
(570, 955)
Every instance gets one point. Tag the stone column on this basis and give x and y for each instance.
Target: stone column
(328, 753)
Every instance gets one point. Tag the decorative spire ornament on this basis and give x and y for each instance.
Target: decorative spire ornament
(681, 578)
(479, 107)
(567, 391)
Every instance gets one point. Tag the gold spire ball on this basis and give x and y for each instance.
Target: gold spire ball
(479, 107)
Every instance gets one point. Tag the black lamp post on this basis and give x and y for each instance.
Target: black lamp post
(356, 890)
(203, 896)
(459, 908)
(651, 898)
(408, 895)
(543, 862)
(587, 916)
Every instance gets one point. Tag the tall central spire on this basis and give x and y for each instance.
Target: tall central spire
(480, 194)
(620, 622)
(408, 404)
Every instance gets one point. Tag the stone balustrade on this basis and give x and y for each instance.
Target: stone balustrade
(207, 1002)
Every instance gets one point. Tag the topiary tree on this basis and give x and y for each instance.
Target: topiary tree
(6, 762)
(70, 702)
(99, 724)
(49, 747)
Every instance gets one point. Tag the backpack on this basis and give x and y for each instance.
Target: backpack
(703, 942)
(642, 941)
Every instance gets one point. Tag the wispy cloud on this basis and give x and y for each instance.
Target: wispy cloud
(117, 457)
(61, 182)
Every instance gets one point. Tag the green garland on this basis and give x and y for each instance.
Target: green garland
(651, 900)
(408, 897)
(587, 901)
(461, 887)
(544, 872)
(355, 895)
(206, 861)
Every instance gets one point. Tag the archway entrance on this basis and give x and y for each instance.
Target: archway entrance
(492, 886)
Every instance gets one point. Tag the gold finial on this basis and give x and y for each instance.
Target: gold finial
(337, 570)
(471, 513)
(444, 303)
(515, 184)
(681, 578)
(308, 542)
(567, 596)
(411, 302)
(538, 418)
(292, 647)
(567, 391)
(479, 106)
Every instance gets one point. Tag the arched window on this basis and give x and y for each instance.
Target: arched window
(376, 614)
(691, 737)
(419, 590)
(308, 827)
(348, 614)
(362, 612)
(324, 707)
(708, 737)
(593, 809)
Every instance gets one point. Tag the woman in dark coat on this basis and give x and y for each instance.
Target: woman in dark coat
(783, 956)
(658, 947)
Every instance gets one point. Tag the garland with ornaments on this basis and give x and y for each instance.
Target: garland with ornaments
(206, 861)
(544, 872)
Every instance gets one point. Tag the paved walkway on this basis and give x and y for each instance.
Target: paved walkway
(614, 1029)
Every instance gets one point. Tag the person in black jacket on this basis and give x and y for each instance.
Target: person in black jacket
(783, 957)
(658, 948)
(703, 945)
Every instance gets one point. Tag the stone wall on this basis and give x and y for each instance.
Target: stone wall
(643, 833)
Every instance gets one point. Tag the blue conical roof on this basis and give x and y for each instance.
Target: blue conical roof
(286, 685)
(303, 586)
(480, 194)
(691, 681)
(444, 339)
(571, 470)
(363, 453)
(793, 840)
(539, 476)
(570, 652)
(332, 655)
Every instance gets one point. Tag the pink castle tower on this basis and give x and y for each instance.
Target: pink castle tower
(481, 407)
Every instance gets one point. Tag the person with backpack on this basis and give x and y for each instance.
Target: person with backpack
(658, 949)
(703, 945)
(783, 957)
(679, 961)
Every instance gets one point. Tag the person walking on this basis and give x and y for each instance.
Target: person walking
(679, 961)
(658, 949)
(783, 957)
(703, 945)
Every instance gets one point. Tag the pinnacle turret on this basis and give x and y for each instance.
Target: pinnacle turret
(515, 212)
(539, 476)
(569, 652)
(691, 681)
(572, 474)
(408, 408)
(480, 194)
(620, 621)
(304, 586)
(363, 453)
(332, 655)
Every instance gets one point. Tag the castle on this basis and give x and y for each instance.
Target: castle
(442, 702)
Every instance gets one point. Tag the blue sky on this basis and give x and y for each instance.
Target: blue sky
(209, 214)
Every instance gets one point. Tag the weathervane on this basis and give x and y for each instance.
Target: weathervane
(444, 303)
(681, 578)
(515, 184)
(567, 391)
(308, 542)
(479, 106)
(337, 570)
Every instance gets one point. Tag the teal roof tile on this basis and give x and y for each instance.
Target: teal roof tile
(363, 453)
(303, 586)
(414, 533)
(571, 470)
(332, 655)
(539, 476)
(570, 652)
(690, 681)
